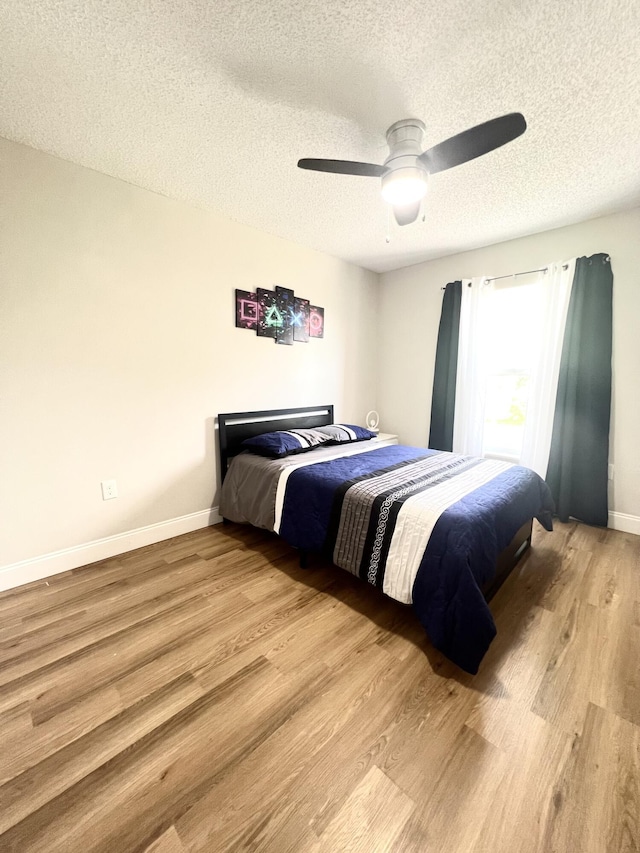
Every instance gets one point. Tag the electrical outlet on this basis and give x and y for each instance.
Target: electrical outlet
(611, 470)
(109, 489)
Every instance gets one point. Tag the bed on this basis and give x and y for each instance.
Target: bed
(435, 530)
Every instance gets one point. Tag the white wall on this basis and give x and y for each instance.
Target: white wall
(118, 349)
(410, 302)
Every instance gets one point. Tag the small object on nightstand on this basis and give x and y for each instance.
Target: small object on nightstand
(373, 419)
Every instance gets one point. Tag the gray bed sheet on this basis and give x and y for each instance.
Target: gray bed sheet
(248, 493)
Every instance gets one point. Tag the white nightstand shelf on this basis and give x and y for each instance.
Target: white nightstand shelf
(385, 438)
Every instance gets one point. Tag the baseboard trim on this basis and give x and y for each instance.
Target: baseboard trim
(38, 568)
(26, 571)
(626, 523)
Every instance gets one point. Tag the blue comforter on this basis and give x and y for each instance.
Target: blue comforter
(460, 556)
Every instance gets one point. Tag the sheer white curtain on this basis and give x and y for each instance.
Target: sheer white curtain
(476, 348)
(468, 421)
(554, 290)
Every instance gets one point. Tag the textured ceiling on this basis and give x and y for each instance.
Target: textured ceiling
(214, 101)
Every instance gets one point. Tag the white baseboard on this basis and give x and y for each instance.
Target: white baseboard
(624, 522)
(37, 568)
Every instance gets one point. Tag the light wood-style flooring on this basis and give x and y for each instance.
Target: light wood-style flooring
(206, 694)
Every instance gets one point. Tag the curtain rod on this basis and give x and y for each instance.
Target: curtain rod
(527, 272)
(514, 274)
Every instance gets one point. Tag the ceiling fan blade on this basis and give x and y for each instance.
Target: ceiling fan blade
(474, 142)
(406, 213)
(343, 167)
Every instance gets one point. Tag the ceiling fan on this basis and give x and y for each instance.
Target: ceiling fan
(406, 170)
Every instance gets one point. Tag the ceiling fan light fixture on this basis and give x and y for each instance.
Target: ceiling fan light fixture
(405, 185)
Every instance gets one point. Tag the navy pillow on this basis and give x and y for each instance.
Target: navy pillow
(282, 443)
(346, 433)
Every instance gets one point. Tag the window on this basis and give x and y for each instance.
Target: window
(512, 337)
(509, 350)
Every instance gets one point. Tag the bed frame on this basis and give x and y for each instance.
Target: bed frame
(235, 427)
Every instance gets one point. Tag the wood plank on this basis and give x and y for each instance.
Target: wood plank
(318, 789)
(568, 685)
(227, 810)
(169, 842)
(139, 788)
(596, 805)
(40, 648)
(32, 745)
(15, 723)
(611, 677)
(537, 754)
(465, 785)
(53, 688)
(371, 818)
(127, 588)
(614, 578)
(39, 785)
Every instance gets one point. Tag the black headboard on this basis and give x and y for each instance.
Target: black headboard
(234, 427)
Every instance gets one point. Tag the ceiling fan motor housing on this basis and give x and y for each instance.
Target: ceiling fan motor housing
(405, 140)
(405, 137)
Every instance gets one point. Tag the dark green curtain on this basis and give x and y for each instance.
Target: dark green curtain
(578, 461)
(444, 379)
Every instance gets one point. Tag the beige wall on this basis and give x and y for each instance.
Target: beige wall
(118, 348)
(410, 302)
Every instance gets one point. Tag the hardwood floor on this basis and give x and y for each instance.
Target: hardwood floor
(206, 694)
